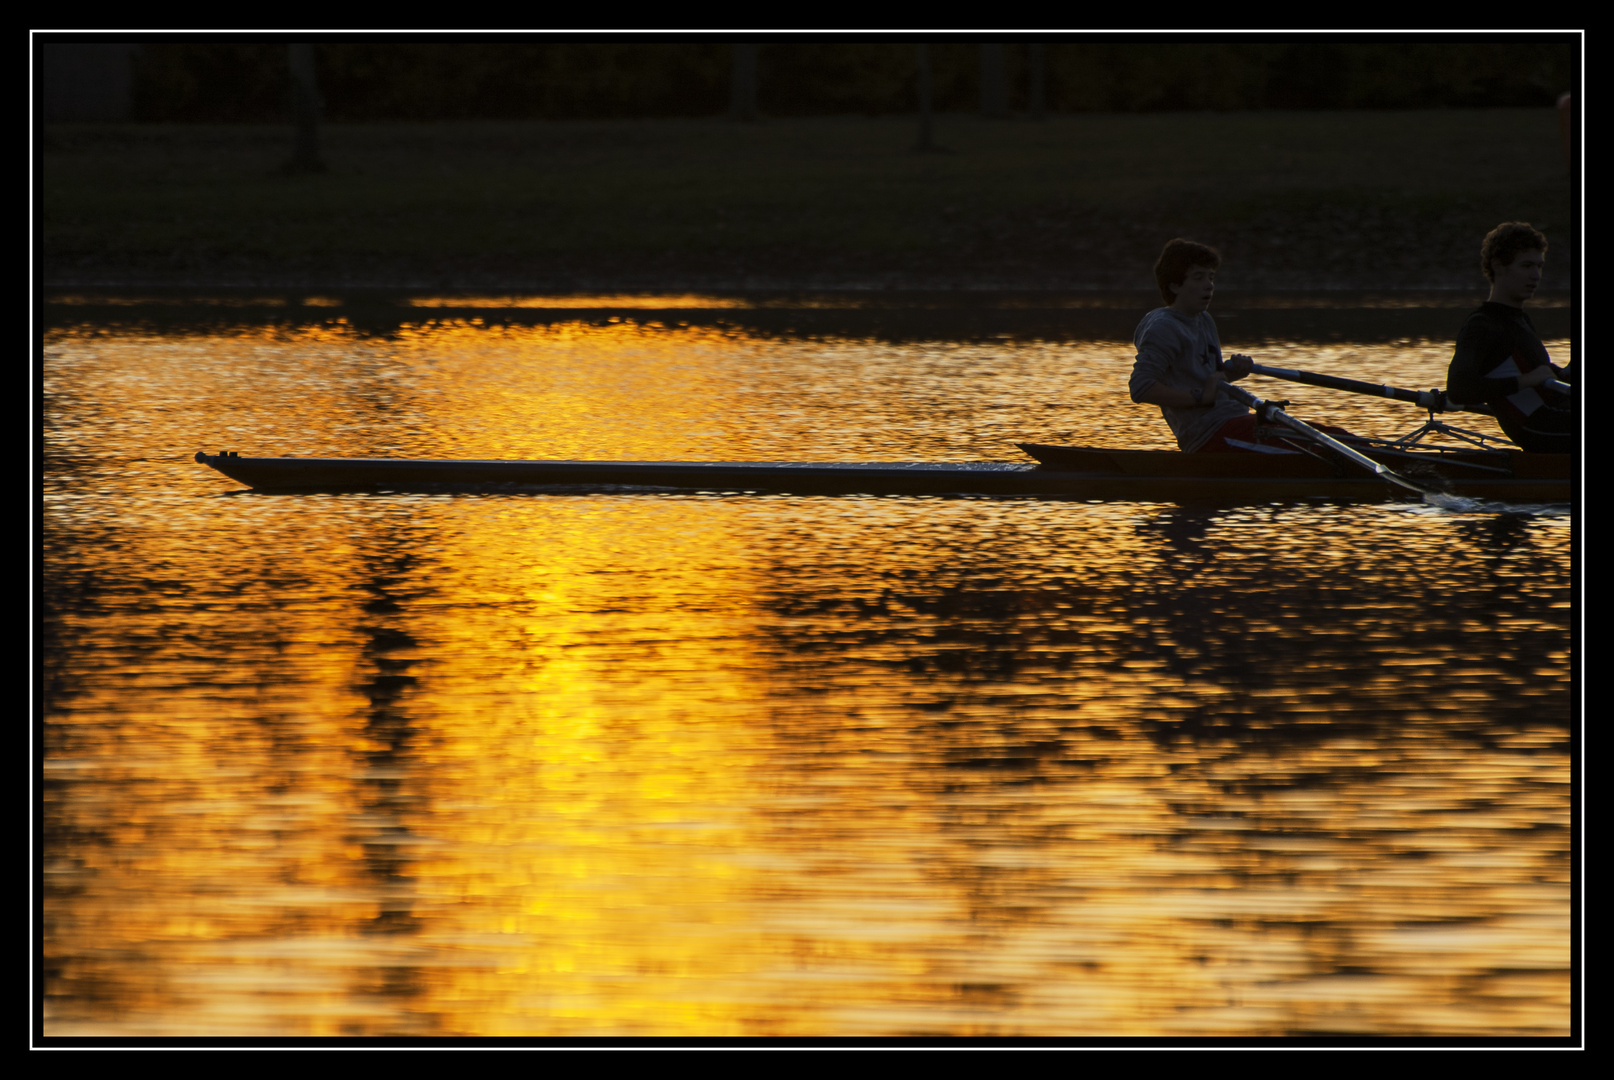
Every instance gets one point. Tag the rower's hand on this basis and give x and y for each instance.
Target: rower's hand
(1238, 367)
(1537, 376)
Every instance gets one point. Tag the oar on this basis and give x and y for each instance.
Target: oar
(1433, 400)
(1271, 413)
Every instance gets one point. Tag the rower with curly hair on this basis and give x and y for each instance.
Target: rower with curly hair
(1500, 361)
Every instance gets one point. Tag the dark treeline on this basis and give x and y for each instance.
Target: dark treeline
(535, 78)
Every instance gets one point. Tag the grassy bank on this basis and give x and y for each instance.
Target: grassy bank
(1372, 200)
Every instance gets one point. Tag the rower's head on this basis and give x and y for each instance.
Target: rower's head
(1186, 274)
(1513, 256)
(1505, 243)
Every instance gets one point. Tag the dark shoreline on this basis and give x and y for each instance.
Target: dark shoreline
(1437, 259)
(979, 314)
(1293, 201)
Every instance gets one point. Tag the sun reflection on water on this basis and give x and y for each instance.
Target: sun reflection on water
(683, 765)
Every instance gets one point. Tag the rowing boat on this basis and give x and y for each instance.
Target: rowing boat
(1057, 472)
(1297, 462)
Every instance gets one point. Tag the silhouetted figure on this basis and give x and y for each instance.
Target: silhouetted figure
(1179, 359)
(1500, 360)
(1179, 362)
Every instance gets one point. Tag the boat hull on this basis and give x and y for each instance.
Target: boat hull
(1062, 473)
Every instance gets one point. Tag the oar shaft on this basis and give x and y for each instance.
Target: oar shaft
(1433, 400)
(1355, 386)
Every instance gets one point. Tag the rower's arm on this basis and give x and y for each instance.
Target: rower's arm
(1148, 385)
(1481, 348)
(1172, 398)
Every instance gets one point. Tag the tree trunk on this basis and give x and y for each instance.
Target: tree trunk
(1566, 127)
(743, 104)
(994, 83)
(1039, 82)
(305, 107)
(927, 141)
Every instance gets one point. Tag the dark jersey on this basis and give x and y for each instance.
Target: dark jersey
(1496, 345)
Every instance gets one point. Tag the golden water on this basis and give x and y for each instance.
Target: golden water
(639, 764)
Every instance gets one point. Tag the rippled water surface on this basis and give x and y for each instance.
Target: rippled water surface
(642, 764)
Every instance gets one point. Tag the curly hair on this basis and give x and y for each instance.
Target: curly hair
(1176, 259)
(1504, 243)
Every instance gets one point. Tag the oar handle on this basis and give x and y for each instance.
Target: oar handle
(1560, 387)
